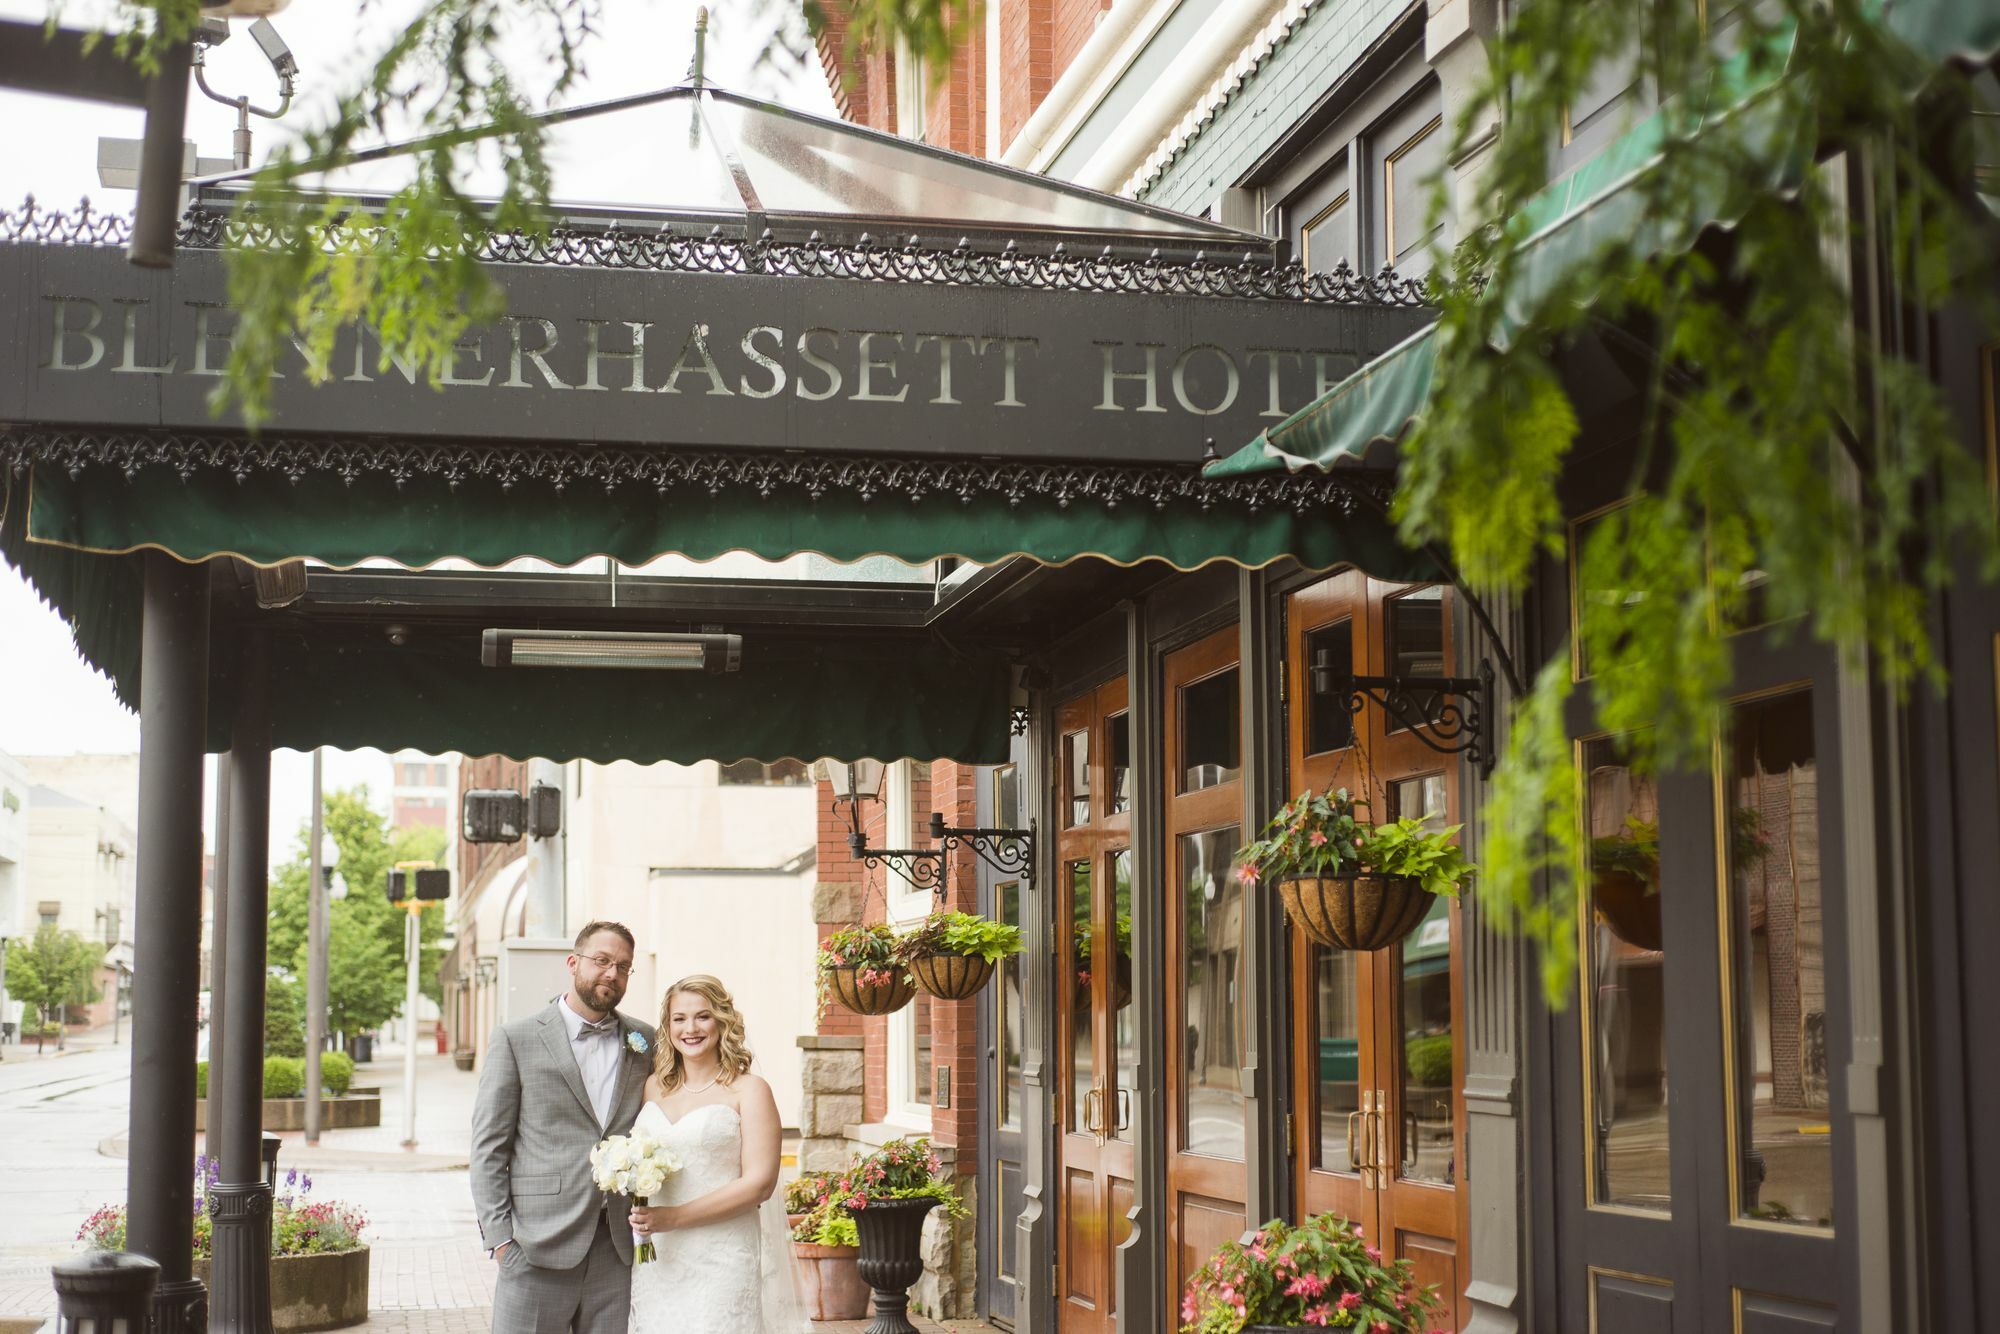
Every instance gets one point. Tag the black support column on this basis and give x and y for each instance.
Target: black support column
(218, 959)
(173, 724)
(240, 1205)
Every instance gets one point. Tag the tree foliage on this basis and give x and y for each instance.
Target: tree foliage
(53, 970)
(1778, 451)
(365, 973)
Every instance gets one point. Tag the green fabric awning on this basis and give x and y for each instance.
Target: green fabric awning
(348, 686)
(1965, 30)
(80, 537)
(1602, 203)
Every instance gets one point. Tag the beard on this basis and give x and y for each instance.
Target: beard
(601, 996)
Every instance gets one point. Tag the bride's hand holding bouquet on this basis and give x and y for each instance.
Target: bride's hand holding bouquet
(637, 1166)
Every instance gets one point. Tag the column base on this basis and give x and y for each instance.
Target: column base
(241, 1301)
(180, 1307)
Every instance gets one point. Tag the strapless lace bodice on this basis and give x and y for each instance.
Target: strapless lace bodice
(707, 1279)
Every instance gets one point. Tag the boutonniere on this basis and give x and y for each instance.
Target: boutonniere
(637, 1042)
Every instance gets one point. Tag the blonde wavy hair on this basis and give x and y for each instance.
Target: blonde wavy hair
(734, 1053)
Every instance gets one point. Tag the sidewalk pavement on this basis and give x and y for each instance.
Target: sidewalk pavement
(444, 1123)
(94, 1039)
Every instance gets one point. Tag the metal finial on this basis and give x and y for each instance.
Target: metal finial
(700, 45)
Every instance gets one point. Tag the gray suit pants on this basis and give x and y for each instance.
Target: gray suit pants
(593, 1298)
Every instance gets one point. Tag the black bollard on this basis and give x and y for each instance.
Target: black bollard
(271, 1143)
(105, 1292)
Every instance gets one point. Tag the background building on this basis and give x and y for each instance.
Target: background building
(14, 790)
(78, 876)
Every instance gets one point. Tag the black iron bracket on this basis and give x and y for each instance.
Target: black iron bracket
(922, 869)
(1008, 851)
(1450, 714)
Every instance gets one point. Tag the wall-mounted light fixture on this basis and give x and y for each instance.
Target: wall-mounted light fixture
(709, 651)
(920, 868)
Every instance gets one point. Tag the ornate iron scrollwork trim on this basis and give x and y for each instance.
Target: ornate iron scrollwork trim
(1450, 714)
(1011, 852)
(922, 869)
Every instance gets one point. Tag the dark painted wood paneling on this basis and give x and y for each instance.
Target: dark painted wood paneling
(1765, 1314)
(1622, 1305)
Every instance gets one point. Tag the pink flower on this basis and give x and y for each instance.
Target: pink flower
(1247, 873)
(1349, 1300)
(1188, 1308)
(1319, 1315)
(1372, 1254)
(1318, 839)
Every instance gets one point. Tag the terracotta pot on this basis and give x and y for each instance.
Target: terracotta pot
(829, 1282)
(880, 998)
(1363, 912)
(1630, 906)
(952, 977)
(891, 1258)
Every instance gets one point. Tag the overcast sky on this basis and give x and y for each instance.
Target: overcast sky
(51, 702)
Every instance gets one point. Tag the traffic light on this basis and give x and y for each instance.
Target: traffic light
(419, 883)
(493, 815)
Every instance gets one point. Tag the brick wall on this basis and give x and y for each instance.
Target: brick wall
(1074, 22)
(1027, 61)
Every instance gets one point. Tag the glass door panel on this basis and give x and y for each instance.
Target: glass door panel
(1124, 1025)
(1081, 1052)
(1212, 1109)
(1424, 1054)
(1336, 1047)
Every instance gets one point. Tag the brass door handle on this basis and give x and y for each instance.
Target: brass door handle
(1093, 1112)
(1124, 1110)
(1353, 1160)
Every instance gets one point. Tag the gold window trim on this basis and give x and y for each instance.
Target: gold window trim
(1340, 202)
(1389, 182)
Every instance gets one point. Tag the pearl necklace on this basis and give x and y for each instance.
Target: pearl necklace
(705, 1087)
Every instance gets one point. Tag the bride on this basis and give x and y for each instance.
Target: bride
(720, 1270)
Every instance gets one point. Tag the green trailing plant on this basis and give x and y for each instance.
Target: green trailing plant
(1777, 451)
(827, 1224)
(962, 933)
(1320, 1273)
(873, 951)
(1323, 834)
(902, 1169)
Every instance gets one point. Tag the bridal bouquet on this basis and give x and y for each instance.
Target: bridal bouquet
(636, 1165)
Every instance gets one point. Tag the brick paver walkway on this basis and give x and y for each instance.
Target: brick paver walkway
(477, 1320)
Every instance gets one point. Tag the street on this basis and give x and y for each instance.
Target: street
(63, 1119)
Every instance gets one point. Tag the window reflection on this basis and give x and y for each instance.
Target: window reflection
(1416, 637)
(1211, 982)
(1210, 741)
(1082, 1058)
(1118, 740)
(1424, 1004)
(1076, 766)
(1007, 1028)
(1329, 722)
(1778, 929)
(1625, 1036)
(1337, 1039)
(1124, 1029)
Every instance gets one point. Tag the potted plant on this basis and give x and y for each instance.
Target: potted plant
(826, 1256)
(888, 1193)
(1121, 962)
(1625, 873)
(1348, 882)
(953, 954)
(1318, 1274)
(319, 1264)
(862, 968)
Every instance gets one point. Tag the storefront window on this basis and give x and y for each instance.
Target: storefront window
(1076, 764)
(1211, 745)
(1211, 983)
(1337, 1043)
(1124, 1028)
(1118, 738)
(1416, 637)
(1625, 1050)
(1329, 722)
(1082, 1059)
(1784, 1151)
(1007, 1023)
(1428, 1147)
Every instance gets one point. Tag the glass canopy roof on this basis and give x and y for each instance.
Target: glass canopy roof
(698, 150)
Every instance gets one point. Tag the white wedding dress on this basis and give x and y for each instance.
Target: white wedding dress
(710, 1279)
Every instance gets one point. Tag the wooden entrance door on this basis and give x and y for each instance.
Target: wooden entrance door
(1377, 1057)
(1206, 1124)
(1095, 1033)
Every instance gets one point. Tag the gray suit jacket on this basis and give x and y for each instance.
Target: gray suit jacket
(532, 1133)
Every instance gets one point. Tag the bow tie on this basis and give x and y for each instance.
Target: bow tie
(602, 1028)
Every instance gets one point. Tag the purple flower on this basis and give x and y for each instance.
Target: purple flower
(292, 1177)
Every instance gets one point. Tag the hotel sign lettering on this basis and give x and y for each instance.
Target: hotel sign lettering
(594, 355)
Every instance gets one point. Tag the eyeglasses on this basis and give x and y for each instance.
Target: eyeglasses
(605, 963)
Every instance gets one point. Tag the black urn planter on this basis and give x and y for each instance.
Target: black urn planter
(890, 1259)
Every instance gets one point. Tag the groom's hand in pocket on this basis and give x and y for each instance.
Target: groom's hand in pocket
(647, 1220)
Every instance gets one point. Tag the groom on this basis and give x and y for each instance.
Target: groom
(556, 1083)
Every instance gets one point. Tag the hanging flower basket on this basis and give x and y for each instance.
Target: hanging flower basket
(886, 992)
(952, 977)
(951, 955)
(1121, 981)
(1348, 882)
(1360, 912)
(1629, 905)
